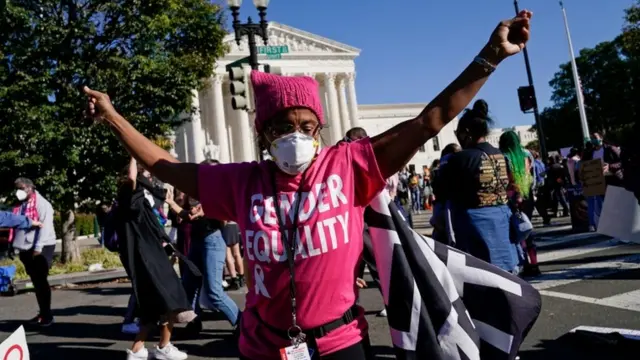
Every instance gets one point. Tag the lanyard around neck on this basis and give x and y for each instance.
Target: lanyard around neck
(288, 237)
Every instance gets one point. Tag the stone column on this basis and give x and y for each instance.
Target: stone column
(352, 100)
(205, 115)
(184, 142)
(172, 139)
(344, 111)
(196, 148)
(246, 141)
(333, 117)
(219, 122)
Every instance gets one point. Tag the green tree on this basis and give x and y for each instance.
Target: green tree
(147, 55)
(607, 87)
(610, 79)
(533, 145)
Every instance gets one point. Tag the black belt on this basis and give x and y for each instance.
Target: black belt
(319, 331)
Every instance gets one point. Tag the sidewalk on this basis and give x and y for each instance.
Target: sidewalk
(76, 278)
(547, 238)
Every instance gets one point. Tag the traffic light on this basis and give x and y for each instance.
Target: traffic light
(272, 69)
(527, 97)
(239, 79)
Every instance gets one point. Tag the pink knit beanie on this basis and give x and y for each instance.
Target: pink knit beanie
(274, 93)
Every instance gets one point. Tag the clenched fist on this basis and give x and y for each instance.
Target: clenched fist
(99, 106)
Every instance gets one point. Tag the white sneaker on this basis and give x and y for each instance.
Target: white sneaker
(169, 352)
(142, 354)
(225, 284)
(383, 313)
(131, 328)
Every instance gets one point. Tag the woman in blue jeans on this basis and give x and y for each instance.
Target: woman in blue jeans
(208, 252)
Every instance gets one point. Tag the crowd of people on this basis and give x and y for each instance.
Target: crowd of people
(291, 229)
(299, 215)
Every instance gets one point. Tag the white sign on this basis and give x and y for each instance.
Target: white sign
(620, 217)
(15, 346)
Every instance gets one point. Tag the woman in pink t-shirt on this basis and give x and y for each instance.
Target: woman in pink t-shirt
(301, 214)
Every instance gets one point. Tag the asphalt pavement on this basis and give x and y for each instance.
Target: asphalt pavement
(587, 280)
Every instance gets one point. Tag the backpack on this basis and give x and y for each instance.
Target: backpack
(110, 235)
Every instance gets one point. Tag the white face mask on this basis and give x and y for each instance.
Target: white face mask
(293, 153)
(21, 195)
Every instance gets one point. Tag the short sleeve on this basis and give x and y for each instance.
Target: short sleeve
(218, 188)
(368, 180)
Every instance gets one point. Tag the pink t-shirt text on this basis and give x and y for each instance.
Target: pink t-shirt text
(337, 187)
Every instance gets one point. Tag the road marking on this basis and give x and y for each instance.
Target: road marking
(541, 231)
(628, 333)
(626, 301)
(552, 255)
(629, 300)
(573, 297)
(585, 271)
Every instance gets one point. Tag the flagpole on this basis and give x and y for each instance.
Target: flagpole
(576, 78)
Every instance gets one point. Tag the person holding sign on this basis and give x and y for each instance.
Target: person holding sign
(611, 170)
(302, 214)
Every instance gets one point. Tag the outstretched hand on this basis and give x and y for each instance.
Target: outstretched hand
(99, 106)
(169, 198)
(511, 36)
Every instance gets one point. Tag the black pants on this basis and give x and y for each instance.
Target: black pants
(369, 259)
(132, 309)
(558, 198)
(37, 267)
(359, 351)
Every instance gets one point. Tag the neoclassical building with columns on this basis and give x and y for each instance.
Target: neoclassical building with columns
(217, 131)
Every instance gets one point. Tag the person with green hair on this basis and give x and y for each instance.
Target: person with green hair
(521, 181)
(519, 163)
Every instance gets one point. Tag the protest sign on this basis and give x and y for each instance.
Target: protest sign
(592, 177)
(15, 346)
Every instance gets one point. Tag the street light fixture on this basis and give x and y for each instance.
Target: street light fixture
(250, 29)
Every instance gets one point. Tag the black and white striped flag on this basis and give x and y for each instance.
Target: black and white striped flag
(443, 304)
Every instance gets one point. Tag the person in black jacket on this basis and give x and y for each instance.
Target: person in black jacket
(158, 292)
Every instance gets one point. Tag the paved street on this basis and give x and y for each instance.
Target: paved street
(586, 281)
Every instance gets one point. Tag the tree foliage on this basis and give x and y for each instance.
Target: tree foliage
(147, 55)
(533, 145)
(610, 83)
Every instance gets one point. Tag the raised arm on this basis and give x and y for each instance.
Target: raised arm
(184, 176)
(133, 172)
(395, 147)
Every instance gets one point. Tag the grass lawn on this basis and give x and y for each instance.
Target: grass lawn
(108, 259)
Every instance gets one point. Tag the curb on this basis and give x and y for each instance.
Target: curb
(76, 278)
(83, 237)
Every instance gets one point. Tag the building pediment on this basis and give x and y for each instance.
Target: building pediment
(299, 43)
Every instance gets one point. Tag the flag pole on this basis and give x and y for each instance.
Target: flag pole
(576, 78)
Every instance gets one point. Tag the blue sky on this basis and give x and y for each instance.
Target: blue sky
(411, 49)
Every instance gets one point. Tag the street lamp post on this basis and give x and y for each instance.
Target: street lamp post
(250, 29)
(536, 112)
